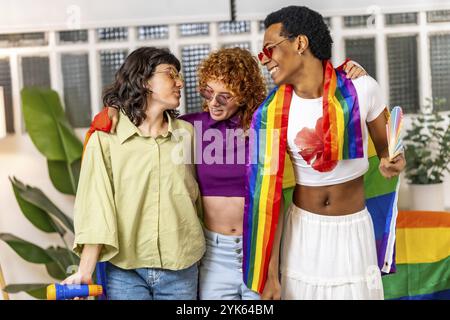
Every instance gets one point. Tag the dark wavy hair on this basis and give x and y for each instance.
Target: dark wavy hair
(298, 20)
(128, 92)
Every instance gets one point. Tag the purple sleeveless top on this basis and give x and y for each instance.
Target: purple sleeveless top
(221, 153)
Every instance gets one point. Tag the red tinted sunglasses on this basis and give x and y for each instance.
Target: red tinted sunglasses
(268, 51)
(220, 98)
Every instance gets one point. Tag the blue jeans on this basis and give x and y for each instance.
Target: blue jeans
(221, 269)
(151, 283)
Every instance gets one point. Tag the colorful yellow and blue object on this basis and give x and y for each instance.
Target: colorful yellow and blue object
(70, 291)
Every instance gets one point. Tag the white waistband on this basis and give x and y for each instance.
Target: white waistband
(335, 219)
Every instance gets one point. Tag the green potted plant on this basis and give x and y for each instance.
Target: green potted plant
(427, 146)
(53, 136)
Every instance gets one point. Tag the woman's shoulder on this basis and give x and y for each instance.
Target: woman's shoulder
(101, 140)
(182, 124)
(196, 116)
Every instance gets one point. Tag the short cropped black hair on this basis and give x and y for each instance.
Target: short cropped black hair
(298, 20)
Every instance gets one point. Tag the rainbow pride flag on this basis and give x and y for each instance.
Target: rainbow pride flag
(341, 117)
(265, 169)
(423, 257)
(381, 202)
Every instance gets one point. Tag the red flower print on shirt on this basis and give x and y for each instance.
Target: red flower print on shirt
(310, 143)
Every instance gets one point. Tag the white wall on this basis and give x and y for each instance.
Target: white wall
(25, 15)
(2, 114)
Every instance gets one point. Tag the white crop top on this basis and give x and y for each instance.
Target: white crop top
(304, 115)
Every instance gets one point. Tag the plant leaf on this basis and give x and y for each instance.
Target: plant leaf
(38, 217)
(64, 176)
(27, 250)
(48, 126)
(53, 136)
(63, 259)
(38, 199)
(36, 290)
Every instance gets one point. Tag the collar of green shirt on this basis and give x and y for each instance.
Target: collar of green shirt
(126, 128)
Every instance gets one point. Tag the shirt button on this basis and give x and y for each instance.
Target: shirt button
(238, 251)
(237, 240)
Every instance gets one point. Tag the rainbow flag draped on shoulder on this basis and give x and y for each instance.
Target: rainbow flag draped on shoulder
(265, 168)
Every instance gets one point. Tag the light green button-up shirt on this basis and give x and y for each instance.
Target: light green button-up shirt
(138, 198)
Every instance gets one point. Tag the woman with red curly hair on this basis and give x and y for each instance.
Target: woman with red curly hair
(232, 85)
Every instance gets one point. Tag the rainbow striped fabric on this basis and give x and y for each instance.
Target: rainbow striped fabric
(381, 202)
(341, 118)
(423, 257)
(265, 170)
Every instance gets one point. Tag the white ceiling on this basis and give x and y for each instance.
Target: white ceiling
(35, 15)
(260, 8)
(23, 15)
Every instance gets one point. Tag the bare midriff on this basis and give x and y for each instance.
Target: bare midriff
(224, 215)
(334, 200)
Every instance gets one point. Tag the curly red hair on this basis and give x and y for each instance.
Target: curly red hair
(239, 71)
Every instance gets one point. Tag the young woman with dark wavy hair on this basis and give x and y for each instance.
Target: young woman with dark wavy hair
(136, 205)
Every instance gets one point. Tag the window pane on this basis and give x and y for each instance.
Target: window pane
(440, 67)
(191, 57)
(242, 45)
(36, 72)
(5, 82)
(362, 51)
(73, 36)
(112, 34)
(110, 61)
(77, 93)
(193, 29)
(261, 27)
(356, 21)
(438, 16)
(153, 32)
(401, 18)
(23, 39)
(403, 73)
(234, 27)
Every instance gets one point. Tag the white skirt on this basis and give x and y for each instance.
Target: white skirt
(329, 257)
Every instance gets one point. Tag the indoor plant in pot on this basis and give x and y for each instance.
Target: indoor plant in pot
(427, 146)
